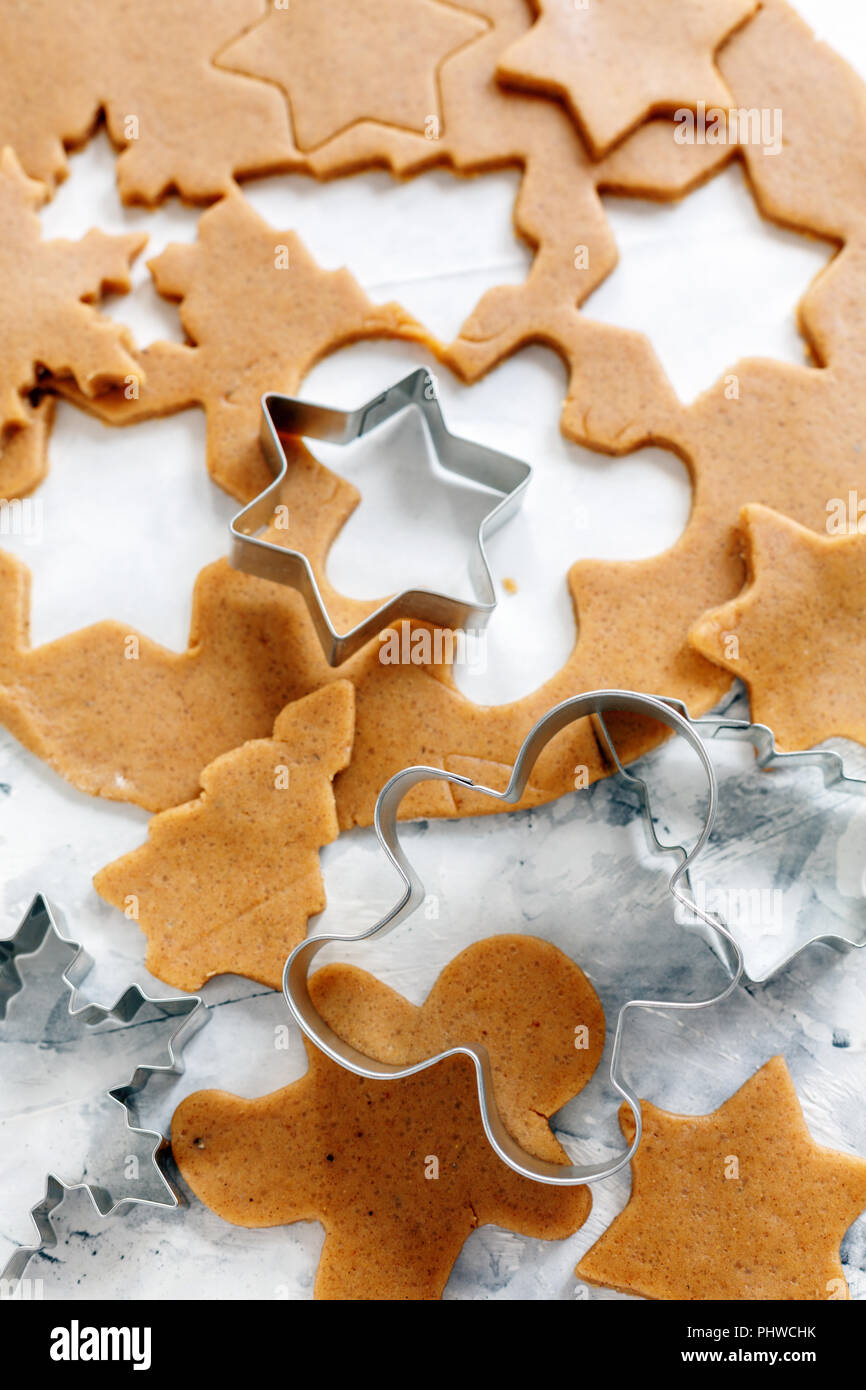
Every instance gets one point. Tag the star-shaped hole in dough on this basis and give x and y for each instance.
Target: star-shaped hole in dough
(521, 997)
(749, 294)
(47, 295)
(344, 61)
(226, 884)
(797, 633)
(738, 1204)
(616, 62)
(760, 434)
(400, 1173)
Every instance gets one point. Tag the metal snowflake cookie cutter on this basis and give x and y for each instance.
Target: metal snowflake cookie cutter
(287, 415)
(73, 1022)
(768, 758)
(295, 975)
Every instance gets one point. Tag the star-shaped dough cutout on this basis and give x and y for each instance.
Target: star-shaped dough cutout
(47, 294)
(258, 313)
(344, 61)
(266, 806)
(616, 62)
(400, 1173)
(739, 1204)
(797, 633)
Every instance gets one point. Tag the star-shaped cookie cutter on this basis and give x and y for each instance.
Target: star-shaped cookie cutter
(288, 415)
(36, 927)
(768, 757)
(717, 935)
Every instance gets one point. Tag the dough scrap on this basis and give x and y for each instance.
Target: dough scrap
(59, 282)
(797, 633)
(177, 120)
(227, 883)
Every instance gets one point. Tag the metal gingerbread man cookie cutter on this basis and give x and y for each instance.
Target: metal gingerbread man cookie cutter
(500, 473)
(295, 976)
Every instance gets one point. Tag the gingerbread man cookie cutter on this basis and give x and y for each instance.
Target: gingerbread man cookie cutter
(290, 416)
(717, 935)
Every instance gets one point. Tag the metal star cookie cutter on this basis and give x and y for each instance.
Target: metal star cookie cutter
(295, 976)
(768, 757)
(287, 415)
(56, 1193)
(36, 928)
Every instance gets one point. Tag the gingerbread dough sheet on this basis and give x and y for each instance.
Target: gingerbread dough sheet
(788, 437)
(145, 729)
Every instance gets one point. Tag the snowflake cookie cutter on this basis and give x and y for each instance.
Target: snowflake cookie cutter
(716, 934)
(768, 758)
(500, 473)
(185, 1013)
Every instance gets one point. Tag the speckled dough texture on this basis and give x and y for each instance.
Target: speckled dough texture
(739, 1204)
(797, 633)
(531, 1007)
(785, 436)
(24, 451)
(227, 883)
(177, 120)
(340, 62)
(788, 439)
(103, 704)
(399, 1173)
(258, 313)
(618, 61)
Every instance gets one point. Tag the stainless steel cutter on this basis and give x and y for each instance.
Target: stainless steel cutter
(285, 415)
(295, 978)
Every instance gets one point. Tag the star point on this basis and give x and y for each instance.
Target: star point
(400, 1171)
